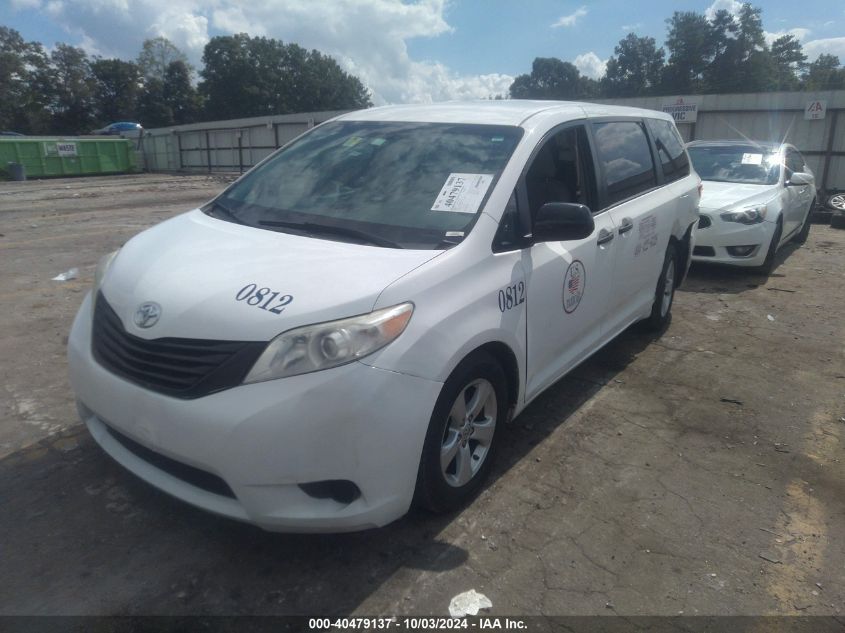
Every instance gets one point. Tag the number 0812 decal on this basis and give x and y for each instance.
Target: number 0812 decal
(512, 296)
(264, 298)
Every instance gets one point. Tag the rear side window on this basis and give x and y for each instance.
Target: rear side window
(625, 157)
(670, 149)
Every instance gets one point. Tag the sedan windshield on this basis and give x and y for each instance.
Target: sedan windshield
(746, 164)
(391, 184)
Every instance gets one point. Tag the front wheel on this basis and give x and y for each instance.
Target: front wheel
(769, 263)
(804, 233)
(661, 309)
(461, 438)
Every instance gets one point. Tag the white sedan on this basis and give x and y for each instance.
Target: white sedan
(757, 197)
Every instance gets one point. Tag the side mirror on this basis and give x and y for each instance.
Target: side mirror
(562, 221)
(799, 179)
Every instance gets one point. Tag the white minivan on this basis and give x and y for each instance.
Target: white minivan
(347, 327)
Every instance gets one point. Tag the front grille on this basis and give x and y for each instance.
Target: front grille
(704, 222)
(180, 367)
(196, 477)
(704, 251)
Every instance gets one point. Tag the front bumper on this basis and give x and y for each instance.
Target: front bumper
(712, 242)
(351, 423)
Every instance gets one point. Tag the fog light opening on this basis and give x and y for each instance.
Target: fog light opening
(339, 490)
(741, 251)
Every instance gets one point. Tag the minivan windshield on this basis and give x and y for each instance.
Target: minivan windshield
(747, 164)
(392, 184)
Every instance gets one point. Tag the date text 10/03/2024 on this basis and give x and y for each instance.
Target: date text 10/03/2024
(416, 624)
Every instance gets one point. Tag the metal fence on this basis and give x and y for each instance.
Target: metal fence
(237, 145)
(234, 145)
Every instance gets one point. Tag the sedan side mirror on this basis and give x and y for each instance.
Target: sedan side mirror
(562, 221)
(799, 179)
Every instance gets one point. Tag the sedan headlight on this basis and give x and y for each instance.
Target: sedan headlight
(325, 345)
(750, 215)
(102, 269)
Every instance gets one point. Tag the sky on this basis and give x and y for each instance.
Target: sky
(411, 51)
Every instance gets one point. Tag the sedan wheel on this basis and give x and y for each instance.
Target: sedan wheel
(469, 433)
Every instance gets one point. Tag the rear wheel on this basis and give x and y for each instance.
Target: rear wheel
(461, 440)
(661, 309)
(769, 263)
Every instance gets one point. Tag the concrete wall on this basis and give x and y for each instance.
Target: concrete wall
(238, 144)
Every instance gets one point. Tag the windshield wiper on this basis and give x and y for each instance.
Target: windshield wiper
(223, 210)
(315, 228)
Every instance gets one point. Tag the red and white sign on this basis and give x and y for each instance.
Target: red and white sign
(682, 109)
(815, 110)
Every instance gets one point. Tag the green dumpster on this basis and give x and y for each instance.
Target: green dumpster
(49, 156)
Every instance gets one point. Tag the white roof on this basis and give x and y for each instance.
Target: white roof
(503, 112)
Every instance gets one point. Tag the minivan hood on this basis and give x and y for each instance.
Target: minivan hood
(193, 266)
(728, 195)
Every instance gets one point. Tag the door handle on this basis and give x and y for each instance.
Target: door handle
(604, 237)
(626, 226)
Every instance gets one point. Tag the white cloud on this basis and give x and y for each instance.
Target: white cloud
(799, 33)
(367, 37)
(732, 7)
(628, 28)
(829, 46)
(591, 65)
(571, 19)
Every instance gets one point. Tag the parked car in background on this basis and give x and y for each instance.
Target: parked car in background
(348, 326)
(8, 133)
(757, 197)
(121, 128)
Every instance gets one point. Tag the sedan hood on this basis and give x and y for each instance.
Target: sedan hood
(194, 268)
(728, 195)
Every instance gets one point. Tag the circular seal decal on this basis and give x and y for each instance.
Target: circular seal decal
(147, 314)
(573, 285)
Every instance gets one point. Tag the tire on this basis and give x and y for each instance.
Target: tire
(836, 202)
(803, 234)
(664, 295)
(456, 457)
(768, 264)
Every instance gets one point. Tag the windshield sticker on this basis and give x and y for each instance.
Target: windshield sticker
(462, 193)
(352, 141)
(574, 283)
(752, 159)
(454, 233)
(497, 139)
(378, 141)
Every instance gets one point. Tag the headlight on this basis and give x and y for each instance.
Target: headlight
(751, 215)
(325, 345)
(102, 268)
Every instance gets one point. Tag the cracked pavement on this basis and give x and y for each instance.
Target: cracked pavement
(698, 472)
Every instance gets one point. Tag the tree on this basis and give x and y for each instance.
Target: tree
(635, 70)
(153, 110)
(691, 47)
(550, 78)
(825, 74)
(72, 101)
(179, 95)
(741, 62)
(23, 83)
(117, 86)
(156, 55)
(253, 76)
(788, 59)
